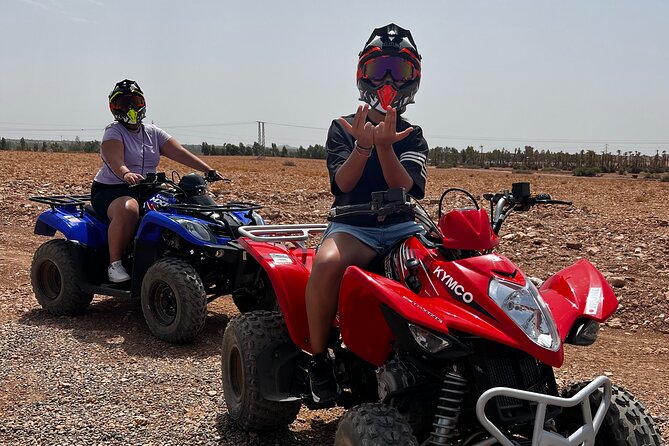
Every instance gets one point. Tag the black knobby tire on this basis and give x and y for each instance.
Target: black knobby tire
(626, 423)
(260, 296)
(174, 301)
(55, 273)
(374, 424)
(246, 337)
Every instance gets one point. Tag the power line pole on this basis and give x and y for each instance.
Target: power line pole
(261, 138)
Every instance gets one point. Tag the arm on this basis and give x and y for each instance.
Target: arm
(176, 152)
(112, 153)
(349, 173)
(385, 136)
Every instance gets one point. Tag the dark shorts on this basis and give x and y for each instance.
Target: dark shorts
(102, 196)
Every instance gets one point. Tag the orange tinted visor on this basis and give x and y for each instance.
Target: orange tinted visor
(125, 101)
(400, 69)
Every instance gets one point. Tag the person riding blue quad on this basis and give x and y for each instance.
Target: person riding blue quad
(130, 149)
(373, 150)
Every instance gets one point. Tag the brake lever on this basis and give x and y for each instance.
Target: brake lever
(213, 175)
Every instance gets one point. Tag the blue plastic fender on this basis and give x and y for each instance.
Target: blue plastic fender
(73, 226)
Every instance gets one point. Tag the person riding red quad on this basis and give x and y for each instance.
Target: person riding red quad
(374, 149)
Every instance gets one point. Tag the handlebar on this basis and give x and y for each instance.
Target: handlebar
(519, 199)
(383, 204)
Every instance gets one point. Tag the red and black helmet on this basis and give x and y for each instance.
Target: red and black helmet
(389, 69)
(126, 102)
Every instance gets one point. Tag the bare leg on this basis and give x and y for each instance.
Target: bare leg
(124, 215)
(335, 254)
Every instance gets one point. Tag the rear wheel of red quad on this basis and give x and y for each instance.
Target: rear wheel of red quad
(246, 337)
(55, 274)
(626, 423)
(374, 424)
(174, 302)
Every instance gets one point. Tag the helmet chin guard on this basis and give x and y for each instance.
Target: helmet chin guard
(386, 96)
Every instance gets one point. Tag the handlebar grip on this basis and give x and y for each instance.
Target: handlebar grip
(568, 203)
(551, 201)
(339, 210)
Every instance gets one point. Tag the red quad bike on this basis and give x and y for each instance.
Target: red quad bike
(440, 342)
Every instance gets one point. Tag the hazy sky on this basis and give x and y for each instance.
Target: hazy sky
(559, 75)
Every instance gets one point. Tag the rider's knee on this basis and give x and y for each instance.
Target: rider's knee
(128, 214)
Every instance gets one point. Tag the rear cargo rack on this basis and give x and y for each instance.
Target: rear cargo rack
(281, 233)
(57, 201)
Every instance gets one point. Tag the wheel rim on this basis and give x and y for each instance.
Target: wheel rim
(50, 280)
(164, 303)
(236, 373)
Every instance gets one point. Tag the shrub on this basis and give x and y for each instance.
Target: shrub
(289, 163)
(587, 171)
(665, 179)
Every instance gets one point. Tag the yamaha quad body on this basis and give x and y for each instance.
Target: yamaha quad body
(183, 256)
(442, 341)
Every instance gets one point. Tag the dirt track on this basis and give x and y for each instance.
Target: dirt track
(101, 378)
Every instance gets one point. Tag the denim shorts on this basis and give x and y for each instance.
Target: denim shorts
(380, 238)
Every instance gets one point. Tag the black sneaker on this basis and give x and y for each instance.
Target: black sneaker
(324, 387)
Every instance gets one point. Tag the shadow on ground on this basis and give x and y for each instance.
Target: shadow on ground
(113, 323)
(318, 432)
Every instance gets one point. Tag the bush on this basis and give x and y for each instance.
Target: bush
(665, 179)
(586, 171)
(289, 163)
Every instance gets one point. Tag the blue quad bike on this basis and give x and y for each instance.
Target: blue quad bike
(183, 256)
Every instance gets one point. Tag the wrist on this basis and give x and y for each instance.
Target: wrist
(365, 149)
(124, 174)
(366, 152)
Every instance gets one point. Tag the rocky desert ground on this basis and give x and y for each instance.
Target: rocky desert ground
(101, 378)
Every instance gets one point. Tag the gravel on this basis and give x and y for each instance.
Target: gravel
(102, 379)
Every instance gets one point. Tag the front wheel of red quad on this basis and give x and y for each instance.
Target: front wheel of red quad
(174, 301)
(259, 296)
(374, 424)
(626, 423)
(55, 273)
(246, 337)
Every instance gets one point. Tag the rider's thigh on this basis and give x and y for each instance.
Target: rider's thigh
(123, 207)
(344, 249)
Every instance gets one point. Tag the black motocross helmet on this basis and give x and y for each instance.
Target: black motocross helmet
(389, 69)
(195, 188)
(126, 102)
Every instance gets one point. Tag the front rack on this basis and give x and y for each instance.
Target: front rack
(584, 435)
(281, 233)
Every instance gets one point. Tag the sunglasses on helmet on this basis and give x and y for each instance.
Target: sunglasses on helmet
(127, 100)
(400, 69)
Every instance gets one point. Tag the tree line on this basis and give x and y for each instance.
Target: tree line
(528, 158)
(584, 162)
